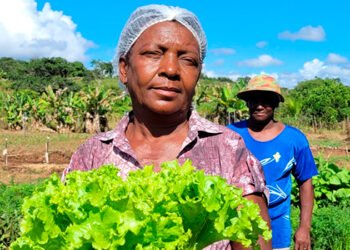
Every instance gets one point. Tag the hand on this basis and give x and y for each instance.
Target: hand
(302, 239)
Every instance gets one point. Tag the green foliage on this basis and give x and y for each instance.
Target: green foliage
(331, 186)
(17, 107)
(12, 69)
(37, 74)
(59, 110)
(62, 109)
(176, 208)
(330, 227)
(219, 102)
(11, 199)
(97, 100)
(324, 102)
(102, 69)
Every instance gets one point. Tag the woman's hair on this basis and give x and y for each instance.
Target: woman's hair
(146, 16)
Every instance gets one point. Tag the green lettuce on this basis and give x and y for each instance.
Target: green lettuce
(178, 207)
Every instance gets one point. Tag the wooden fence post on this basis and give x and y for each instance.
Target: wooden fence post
(347, 127)
(5, 153)
(47, 150)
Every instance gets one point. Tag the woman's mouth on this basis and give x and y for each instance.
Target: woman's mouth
(166, 91)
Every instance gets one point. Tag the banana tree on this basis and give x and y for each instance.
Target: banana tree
(230, 108)
(59, 110)
(97, 102)
(17, 109)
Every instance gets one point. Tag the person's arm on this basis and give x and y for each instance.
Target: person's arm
(302, 235)
(261, 201)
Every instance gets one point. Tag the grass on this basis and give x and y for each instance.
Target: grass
(28, 141)
(327, 142)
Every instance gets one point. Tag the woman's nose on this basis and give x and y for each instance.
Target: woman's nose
(169, 65)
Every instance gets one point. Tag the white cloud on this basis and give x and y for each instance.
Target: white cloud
(210, 73)
(336, 59)
(312, 69)
(309, 70)
(262, 61)
(307, 33)
(28, 33)
(219, 62)
(317, 68)
(261, 44)
(289, 80)
(223, 51)
(234, 76)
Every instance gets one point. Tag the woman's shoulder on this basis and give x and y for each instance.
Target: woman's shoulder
(294, 131)
(203, 125)
(297, 136)
(96, 142)
(108, 136)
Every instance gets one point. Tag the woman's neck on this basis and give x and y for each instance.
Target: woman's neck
(157, 138)
(149, 124)
(265, 131)
(259, 126)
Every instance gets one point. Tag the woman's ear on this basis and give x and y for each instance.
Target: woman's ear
(123, 68)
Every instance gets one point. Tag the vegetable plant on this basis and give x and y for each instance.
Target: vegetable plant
(176, 208)
(331, 185)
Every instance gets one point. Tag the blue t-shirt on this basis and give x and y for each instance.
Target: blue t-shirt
(288, 153)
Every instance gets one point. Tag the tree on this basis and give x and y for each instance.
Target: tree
(102, 69)
(325, 101)
(98, 102)
(13, 69)
(77, 69)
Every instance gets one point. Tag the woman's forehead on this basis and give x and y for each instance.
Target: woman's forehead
(146, 16)
(262, 95)
(168, 32)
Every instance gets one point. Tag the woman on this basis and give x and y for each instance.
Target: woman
(281, 157)
(160, 55)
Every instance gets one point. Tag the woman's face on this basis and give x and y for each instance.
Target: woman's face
(261, 105)
(162, 69)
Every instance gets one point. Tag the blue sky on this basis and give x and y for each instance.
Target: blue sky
(292, 40)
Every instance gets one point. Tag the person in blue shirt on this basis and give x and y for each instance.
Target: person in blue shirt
(283, 151)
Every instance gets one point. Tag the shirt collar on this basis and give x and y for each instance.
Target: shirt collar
(196, 124)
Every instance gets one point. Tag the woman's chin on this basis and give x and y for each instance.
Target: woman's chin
(168, 111)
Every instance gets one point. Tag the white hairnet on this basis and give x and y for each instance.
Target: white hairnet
(146, 16)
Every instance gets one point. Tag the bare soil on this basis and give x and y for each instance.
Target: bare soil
(31, 166)
(27, 164)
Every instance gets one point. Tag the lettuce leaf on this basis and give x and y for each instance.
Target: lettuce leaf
(178, 207)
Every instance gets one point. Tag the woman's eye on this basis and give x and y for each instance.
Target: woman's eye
(190, 61)
(152, 53)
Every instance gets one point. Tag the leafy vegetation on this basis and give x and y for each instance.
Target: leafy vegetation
(217, 101)
(330, 227)
(176, 208)
(332, 185)
(11, 199)
(330, 220)
(62, 110)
